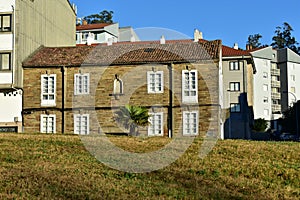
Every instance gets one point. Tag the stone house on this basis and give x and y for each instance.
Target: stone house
(78, 89)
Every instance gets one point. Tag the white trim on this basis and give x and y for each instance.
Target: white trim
(48, 102)
(76, 84)
(187, 122)
(156, 90)
(81, 116)
(150, 127)
(189, 98)
(47, 121)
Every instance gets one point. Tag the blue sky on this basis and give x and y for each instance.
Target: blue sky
(231, 21)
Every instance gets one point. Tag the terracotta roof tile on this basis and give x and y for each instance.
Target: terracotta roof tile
(126, 53)
(228, 51)
(91, 26)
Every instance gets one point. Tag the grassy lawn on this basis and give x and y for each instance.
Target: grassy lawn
(59, 167)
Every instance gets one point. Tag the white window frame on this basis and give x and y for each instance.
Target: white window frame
(153, 128)
(188, 87)
(80, 131)
(234, 86)
(234, 66)
(85, 89)
(265, 74)
(265, 99)
(158, 84)
(48, 101)
(187, 123)
(265, 87)
(47, 117)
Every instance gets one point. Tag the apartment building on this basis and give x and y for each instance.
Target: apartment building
(25, 25)
(103, 33)
(78, 89)
(238, 70)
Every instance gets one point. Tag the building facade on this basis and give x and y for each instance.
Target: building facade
(177, 81)
(25, 25)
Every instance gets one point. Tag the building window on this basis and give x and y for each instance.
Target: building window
(190, 122)
(48, 123)
(265, 100)
(275, 78)
(293, 89)
(81, 84)
(190, 86)
(265, 87)
(48, 90)
(234, 86)
(5, 61)
(234, 66)
(235, 107)
(5, 23)
(276, 101)
(293, 77)
(265, 75)
(81, 124)
(155, 81)
(156, 124)
(266, 112)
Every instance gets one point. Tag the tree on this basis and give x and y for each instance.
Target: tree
(291, 118)
(260, 125)
(284, 38)
(103, 17)
(253, 40)
(131, 117)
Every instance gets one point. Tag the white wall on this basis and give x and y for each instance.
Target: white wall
(6, 42)
(5, 78)
(10, 107)
(293, 69)
(259, 106)
(5, 5)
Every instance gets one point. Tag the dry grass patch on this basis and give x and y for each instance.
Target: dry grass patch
(59, 167)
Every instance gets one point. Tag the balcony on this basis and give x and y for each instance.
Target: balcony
(275, 95)
(275, 84)
(276, 108)
(275, 72)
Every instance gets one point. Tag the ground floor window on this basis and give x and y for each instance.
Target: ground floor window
(48, 123)
(156, 124)
(81, 124)
(190, 122)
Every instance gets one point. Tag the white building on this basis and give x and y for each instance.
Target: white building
(104, 33)
(24, 27)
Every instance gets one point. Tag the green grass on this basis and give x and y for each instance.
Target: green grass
(36, 166)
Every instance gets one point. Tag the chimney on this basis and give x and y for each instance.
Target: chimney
(162, 40)
(84, 22)
(197, 35)
(78, 21)
(236, 46)
(249, 47)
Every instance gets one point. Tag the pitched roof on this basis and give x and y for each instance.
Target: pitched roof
(91, 26)
(228, 51)
(126, 53)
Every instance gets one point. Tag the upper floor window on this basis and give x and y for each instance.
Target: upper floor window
(190, 122)
(155, 81)
(234, 86)
(48, 90)
(293, 77)
(235, 107)
(5, 22)
(265, 87)
(81, 84)
(190, 86)
(156, 124)
(48, 123)
(234, 65)
(265, 74)
(81, 124)
(5, 61)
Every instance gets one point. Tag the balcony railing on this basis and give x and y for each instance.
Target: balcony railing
(275, 83)
(275, 95)
(275, 71)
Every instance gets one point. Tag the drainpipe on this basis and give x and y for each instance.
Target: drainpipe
(13, 45)
(170, 109)
(63, 100)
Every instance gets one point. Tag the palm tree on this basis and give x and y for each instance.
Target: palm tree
(131, 117)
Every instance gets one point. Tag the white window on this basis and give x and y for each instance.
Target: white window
(155, 82)
(293, 89)
(190, 122)
(265, 87)
(265, 74)
(234, 86)
(266, 112)
(81, 124)
(156, 124)
(48, 123)
(118, 86)
(5, 61)
(234, 66)
(235, 107)
(48, 90)
(81, 84)
(190, 86)
(293, 77)
(266, 100)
